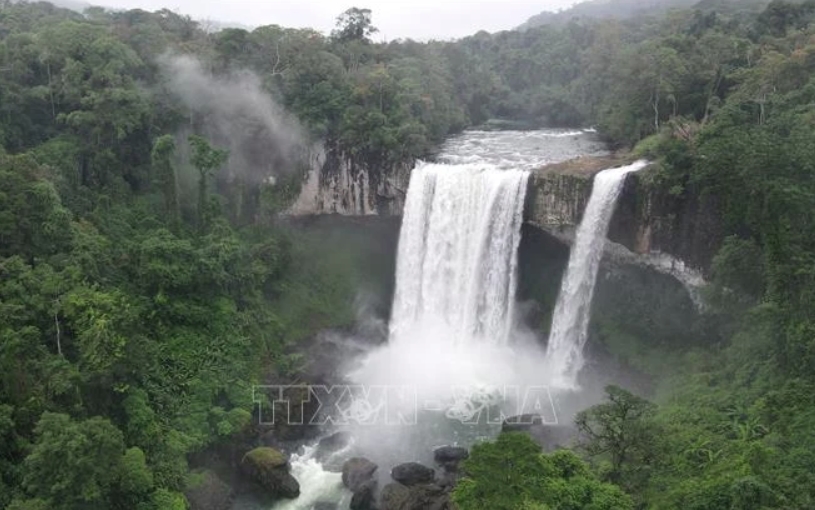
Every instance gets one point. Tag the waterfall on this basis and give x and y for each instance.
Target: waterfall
(457, 259)
(454, 304)
(570, 322)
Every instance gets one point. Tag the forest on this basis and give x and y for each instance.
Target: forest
(146, 280)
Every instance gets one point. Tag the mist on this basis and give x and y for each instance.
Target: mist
(235, 113)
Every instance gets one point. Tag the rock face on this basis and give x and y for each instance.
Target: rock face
(356, 472)
(338, 184)
(269, 468)
(678, 234)
(685, 225)
(555, 202)
(412, 473)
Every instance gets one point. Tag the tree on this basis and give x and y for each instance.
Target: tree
(161, 157)
(207, 160)
(512, 473)
(354, 25)
(33, 221)
(621, 432)
(74, 464)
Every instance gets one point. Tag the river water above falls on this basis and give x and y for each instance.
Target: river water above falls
(455, 347)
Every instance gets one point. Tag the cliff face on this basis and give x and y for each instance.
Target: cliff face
(650, 219)
(555, 202)
(338, 184)
(677, 233)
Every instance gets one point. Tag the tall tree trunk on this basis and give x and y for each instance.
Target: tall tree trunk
(51, 92)
(656, 109)
(202, 199)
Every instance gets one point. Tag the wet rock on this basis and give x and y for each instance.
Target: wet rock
(449, 457)
(364, 497)
(325, 505)
(332, 444)
(396, 496)
(356, 472)
(412, 473)
(206, 491)
(449, 479)
(269, 468)
(521, 423)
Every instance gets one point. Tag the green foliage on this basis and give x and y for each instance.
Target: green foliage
(622, 433)
(130, 331)
(206, 159)
(354, 25)
(512, 473)
(163, 499)
(33, 222)
(73, 463)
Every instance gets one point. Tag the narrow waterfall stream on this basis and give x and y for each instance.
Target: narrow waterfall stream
(570, 322)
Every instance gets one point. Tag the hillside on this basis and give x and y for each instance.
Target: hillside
(626, 9)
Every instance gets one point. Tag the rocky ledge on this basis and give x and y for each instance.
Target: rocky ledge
(675, 231)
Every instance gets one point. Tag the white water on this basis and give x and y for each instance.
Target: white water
(316, 484)
(453, 314)
(457, 260)
(570, 321)
(454, 306)
(520, 149)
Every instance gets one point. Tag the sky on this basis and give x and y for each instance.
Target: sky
(415, 19)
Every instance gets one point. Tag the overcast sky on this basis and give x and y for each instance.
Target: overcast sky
(417, 19)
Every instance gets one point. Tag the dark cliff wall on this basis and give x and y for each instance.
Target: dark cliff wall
(648, 220)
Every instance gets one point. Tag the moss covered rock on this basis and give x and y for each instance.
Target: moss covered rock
(269, 468)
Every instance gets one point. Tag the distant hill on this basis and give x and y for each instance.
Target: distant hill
(211, 26)
(624, 9)
(74, 5)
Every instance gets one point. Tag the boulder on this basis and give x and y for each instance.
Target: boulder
(364, 497)
(269, 468)
(449, 457)
(206, 491)
(396, 496)
(412, 473)
(356, 472)
(521, 423)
